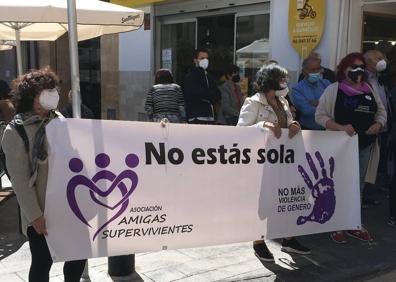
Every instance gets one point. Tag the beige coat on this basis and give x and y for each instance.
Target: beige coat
(325, 112)
(256, 110)
(31, 199)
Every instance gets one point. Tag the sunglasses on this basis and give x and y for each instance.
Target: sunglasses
(363, 66)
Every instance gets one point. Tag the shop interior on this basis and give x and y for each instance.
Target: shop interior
(230, 38)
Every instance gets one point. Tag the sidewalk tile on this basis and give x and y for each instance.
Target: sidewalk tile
(211, 251)
(11, 277)
(165, 275)
(159, 260)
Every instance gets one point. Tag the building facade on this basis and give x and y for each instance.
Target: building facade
(118, 70)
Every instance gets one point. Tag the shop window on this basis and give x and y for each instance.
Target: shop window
(177, 47)
(89, 61)
(252, 47)
(216, 34)
(380, 34)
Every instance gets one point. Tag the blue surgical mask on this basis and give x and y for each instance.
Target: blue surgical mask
(314, 77)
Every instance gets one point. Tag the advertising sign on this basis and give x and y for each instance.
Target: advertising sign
(306, 24)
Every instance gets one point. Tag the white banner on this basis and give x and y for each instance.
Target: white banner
(118, 188)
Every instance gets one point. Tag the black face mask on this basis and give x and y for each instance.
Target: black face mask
(236, 78)
(355, 74)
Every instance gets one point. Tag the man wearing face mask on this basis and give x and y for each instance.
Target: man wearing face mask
(325, 72)
(307, 92)
(200, 91)
(376, 77)
(231, 95)
(375, 70)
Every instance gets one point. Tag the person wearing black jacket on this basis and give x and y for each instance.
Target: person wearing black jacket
(85, 111)
(201, 94)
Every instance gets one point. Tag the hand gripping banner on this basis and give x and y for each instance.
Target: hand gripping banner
(118, 188)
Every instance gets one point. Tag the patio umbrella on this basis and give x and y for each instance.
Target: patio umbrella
(257, 47)
(6, 45)
(33, 20)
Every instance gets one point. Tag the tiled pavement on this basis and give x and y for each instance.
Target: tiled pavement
(328, 262)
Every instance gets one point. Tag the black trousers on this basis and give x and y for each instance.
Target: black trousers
(42, 261)
(232, 121)
(392, 187)
(197, 121)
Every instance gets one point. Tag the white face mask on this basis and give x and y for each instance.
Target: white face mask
(204, 63)
(49, 99)
(283, 92)
(283, 85)
(381, 65)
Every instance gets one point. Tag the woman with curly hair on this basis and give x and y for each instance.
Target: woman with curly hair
(351, 105)
(25, 147)
(269, 108)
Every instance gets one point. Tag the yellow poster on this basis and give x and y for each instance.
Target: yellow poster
(306, 24)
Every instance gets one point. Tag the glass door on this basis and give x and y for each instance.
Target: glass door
(379, 33)
(177, 47)
(216, 34)
(251, 47)
(89, 61)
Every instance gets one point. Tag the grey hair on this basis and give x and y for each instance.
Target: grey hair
(269, 76)
(314, 56)
(368, 55)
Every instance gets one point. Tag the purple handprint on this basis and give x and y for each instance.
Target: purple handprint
(322, 191)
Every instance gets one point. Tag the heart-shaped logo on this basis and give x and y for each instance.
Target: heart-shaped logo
(117, 182)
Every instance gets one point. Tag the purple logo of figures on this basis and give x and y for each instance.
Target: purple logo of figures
(117, 182)
(322, 191)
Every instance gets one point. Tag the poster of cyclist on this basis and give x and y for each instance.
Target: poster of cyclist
(306, 23)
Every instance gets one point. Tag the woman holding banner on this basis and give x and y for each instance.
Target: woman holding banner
(269, 108)
(351, 105)
(25, 148)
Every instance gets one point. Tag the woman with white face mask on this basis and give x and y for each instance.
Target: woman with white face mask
(24, 144)
(269, 108)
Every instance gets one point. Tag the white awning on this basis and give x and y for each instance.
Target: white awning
(368, 2)
(260, 46)
(47, 19)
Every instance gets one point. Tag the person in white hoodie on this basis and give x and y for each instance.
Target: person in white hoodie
(269, 108)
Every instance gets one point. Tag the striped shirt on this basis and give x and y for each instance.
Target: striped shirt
(165, 100)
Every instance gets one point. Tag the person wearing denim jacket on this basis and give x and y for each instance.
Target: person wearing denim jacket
(306, 95)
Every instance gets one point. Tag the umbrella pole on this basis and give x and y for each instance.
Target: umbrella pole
(74, 66)
(18, 50)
